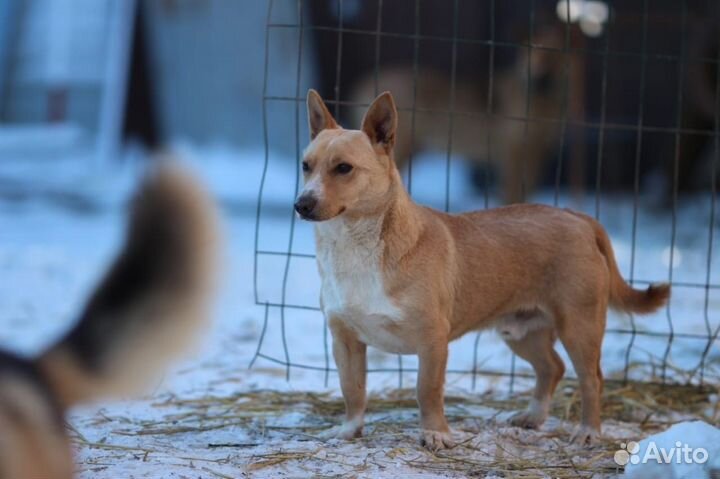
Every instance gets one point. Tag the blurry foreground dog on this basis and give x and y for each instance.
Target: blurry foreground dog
(145, 311)
(408, 279)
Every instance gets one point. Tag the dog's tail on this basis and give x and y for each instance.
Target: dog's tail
(152, 300)
(624, 297)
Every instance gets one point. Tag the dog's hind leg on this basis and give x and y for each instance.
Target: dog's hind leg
(582, 334)
(536, 347)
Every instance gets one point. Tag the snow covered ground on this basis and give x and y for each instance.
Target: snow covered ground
(61, 222)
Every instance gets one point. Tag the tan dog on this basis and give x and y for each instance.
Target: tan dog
(146, 310)
(408, 279)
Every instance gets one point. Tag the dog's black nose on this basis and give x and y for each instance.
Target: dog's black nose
(305, 205)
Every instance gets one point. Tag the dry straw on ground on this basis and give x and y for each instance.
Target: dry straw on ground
(271, 444)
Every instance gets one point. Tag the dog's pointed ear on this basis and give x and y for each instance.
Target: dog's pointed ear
(319, 117)
(381, 120)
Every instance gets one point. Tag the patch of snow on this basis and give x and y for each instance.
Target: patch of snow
(671, 453)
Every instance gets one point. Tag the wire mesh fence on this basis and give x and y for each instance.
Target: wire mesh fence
(612, 108)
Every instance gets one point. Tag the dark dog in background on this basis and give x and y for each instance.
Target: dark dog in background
(515, 148)
(146, 310)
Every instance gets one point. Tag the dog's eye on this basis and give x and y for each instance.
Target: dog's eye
(343, 168)
(305, 166)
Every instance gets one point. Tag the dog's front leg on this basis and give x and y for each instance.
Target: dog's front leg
(350, 358)
(435, 434)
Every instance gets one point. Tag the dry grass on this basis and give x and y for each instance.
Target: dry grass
(488, 444)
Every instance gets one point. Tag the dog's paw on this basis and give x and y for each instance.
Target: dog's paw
(585, 436)
(436, 440)
(346, 431)
(527, 419)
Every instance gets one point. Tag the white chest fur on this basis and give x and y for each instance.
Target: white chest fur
(353, 288)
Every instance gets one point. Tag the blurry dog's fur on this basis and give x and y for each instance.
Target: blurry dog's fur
(145, 312)
(518, 149)
(408, 279)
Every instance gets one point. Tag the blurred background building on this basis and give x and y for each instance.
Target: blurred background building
(99, 74)
(151, 71)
